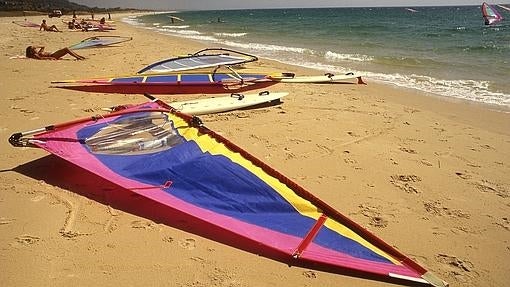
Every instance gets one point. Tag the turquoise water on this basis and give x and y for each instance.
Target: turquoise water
(447, 51)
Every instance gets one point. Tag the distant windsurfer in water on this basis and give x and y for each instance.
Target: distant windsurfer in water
(33, 53)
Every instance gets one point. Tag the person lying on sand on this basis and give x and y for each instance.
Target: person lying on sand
(45, 26)
(32, 52)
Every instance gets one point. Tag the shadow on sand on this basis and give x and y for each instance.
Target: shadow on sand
(61, 173)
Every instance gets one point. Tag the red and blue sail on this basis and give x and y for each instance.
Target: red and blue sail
(175, 160)
(490, 14)
(170, 84)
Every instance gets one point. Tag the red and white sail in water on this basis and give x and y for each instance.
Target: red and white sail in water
(490, 14)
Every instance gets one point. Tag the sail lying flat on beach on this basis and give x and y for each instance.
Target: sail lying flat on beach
(99, 41)
(490, 14)
(196, 174)
(207, 58)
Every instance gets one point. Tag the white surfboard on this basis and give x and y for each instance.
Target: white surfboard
(326, 78)
(224, 104)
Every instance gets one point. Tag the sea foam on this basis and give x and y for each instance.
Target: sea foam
(347, 57)
(234, 35)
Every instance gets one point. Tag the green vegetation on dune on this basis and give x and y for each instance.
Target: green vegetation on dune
(35, 7)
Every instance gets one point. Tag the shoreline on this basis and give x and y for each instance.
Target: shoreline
(427, 176)
(421, 71)
(445, 105)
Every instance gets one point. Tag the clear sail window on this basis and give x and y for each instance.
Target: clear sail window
(135, 134)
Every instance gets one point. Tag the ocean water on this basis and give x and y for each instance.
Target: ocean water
(447, 51)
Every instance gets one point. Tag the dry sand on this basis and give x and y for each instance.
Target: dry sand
(427, 175)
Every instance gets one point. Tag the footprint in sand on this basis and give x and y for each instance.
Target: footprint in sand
(378, 221)
(38, 198)
(463, 175)
(188, 243)
(505, 223)
(142, 224)
(404, 182)
(310, 274)
(27, 239)
(197, 259)
(168, 239)
(458, 267)
(408, 150)
(4, 220)
(435, 208)
(352, 162)
(474, 165)
(486, 146)
(372, 212)
(491, 187)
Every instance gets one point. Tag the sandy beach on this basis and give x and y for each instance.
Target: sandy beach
(429, 176)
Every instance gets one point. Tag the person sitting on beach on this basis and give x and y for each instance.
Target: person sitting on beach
(33, 53)
(45, 26)
(102, 21)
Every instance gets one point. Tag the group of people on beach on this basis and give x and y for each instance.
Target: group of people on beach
(38, 52)
(86, 26)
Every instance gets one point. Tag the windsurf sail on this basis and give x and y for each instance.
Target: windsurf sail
(175, 160)
(99, 41)
(206, 58)
(171, 84)
(490, 14)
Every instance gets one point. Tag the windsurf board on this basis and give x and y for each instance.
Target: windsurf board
(227, 103)
(326, 78)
